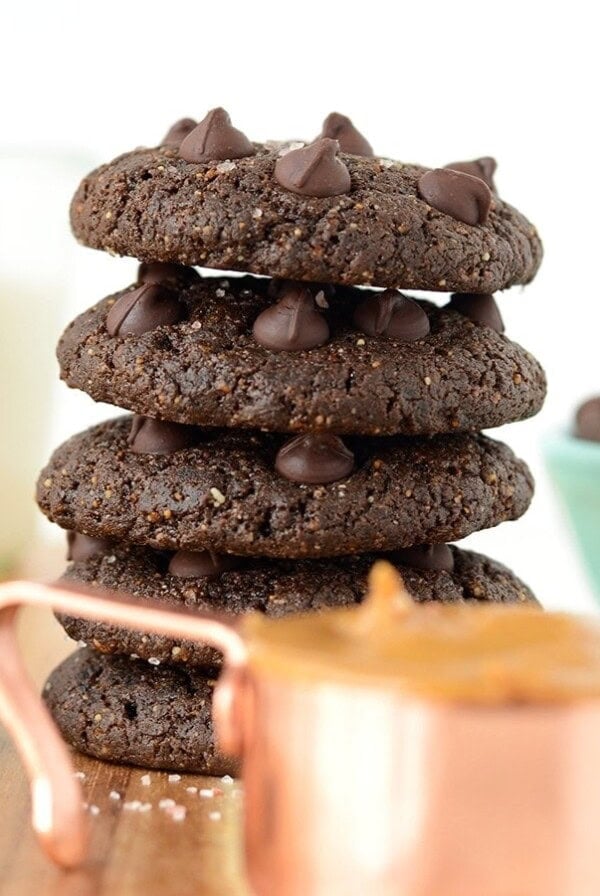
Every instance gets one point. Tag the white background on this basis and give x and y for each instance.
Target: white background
(427, 82)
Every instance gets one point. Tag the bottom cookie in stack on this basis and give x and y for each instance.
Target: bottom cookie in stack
(125, 710)
(146, 699)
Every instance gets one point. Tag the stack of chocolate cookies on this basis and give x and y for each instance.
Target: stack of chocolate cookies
(289, 425)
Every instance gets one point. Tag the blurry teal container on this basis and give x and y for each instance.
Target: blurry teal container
(574, 466)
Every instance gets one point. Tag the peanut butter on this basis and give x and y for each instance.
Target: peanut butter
(488, 654)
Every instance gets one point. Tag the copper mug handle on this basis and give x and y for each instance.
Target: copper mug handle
(56, 799)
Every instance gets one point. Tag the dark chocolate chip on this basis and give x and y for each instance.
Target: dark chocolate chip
(293, 324)
(178, 132)
(587, 420)
(314, 459)
(215, 139)
(462, 196)
(314, 170)
(143, 309)
(390, 313)
(483, 168)
(340, 128)
(426, 556)
(149, 436)
(481, 309)
(84, 547)
(167, 272)
(203, 564)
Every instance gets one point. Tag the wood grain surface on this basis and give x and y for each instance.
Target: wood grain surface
(132, 852)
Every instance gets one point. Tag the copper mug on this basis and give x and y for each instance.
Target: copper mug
(350, 790)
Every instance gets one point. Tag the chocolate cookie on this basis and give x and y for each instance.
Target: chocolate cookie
(232, 492)
(275, 587)
(382, 223)
(209, 368)
(124, 710)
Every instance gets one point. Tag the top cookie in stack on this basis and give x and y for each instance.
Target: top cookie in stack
(329, 211)
(292, 422)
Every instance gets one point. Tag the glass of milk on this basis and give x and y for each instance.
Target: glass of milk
(35, 252)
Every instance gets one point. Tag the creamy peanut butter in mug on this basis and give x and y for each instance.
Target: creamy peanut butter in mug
(476, 653)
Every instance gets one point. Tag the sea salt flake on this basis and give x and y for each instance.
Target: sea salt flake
(79, 775)
(219, 293)
(226, 166)
(145, 780)
(207, 793)
(217, 496)
(94, 810)
(154, 661)
(167, 803)
(214, 816)
(178, 813)
(257, 213)
(191, 789)
(227, 779)
(173, 779)
(386, 163)
(114, 795)
(132, 805)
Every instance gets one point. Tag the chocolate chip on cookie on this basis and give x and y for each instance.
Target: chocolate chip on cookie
(462, 196)
(483, 168)
(215, 139)
(339, 127)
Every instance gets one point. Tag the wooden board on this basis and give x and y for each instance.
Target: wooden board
(132, 852)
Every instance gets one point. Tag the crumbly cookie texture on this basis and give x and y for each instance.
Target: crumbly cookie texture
(133, 712)
(224, 494)
(274, 587)
(209, 369)
(235, 215)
